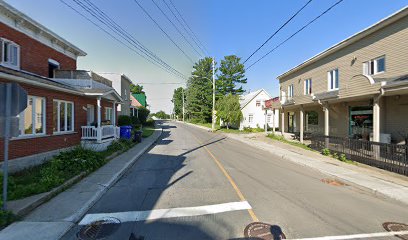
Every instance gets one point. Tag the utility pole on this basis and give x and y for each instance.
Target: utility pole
(182, 92)
(213, 108)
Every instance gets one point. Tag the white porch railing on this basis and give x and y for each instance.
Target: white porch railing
(98, 134)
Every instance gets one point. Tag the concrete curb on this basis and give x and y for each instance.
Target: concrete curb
(361, 180)
(31, 229)
(81, 212)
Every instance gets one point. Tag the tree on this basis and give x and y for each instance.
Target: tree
(178, 101)
(199, 91)
(136, 88)
(229, 110)
(161, 115)
(232, 74)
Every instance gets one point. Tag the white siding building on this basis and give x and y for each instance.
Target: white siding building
(252, 108)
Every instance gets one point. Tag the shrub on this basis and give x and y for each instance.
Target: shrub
(6, 217)
(143, 113)
(124, 120)
(343, 158)
(335, 155)
(149, 122)
(326, 151)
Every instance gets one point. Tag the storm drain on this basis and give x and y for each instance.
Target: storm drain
(265, 231)
(333, 182)
(396, 227)
(99, 229)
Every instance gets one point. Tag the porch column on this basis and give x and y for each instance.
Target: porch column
(273, 121)
(98, 110)
(114, 113)
(282, 127)
(301, 124)
(376, 120)
(266, 123)
(326, 124)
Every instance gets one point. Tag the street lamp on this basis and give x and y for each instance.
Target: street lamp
(213, 83)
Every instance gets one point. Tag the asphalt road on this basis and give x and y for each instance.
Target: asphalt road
(189, 167)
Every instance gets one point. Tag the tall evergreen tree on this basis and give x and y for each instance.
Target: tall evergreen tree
(231, 77)
(178, 101)
(199, 91)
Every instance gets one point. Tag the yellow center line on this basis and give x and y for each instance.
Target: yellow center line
(231, 181)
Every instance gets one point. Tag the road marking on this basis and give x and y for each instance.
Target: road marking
(231, 181)
(134, 216)
(357, 236)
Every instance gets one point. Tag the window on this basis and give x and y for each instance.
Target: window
(290, 91)
(308, 86)
(52, 66)
(374, 66)
(10, 53)
(32, 119)
(258, 103)
(333, 79)
(63, 115)
(250, 118)
(108, 113)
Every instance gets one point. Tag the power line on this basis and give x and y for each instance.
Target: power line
(164, 32)
(280, 28)
(178, 30)
(123, 33)
(298, 31)
(148, 55)
(192, 35)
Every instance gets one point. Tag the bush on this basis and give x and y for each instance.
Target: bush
(143, 114)
(335, 155)
(124, 120)
(326, 151)
(343, 158)
(149, 122)
(6, 217)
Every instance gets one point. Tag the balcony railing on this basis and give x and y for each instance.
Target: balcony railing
(99, 134)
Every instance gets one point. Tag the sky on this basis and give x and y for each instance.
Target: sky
(224, 27)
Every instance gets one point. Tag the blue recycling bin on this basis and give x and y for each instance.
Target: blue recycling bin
(126, 132)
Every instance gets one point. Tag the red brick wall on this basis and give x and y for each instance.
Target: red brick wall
(33, 54)
(25, 147)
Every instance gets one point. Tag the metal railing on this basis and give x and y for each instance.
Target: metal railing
(390, 157)
(98, 134)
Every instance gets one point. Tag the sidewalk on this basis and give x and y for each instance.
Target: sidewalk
(379, 181)
(54, 218)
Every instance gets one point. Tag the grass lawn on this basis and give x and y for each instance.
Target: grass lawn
(147, 131)
(296, 144)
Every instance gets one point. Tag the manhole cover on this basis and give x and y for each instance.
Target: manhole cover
(396, 227)
(333, 182)
(99, 229)
(259, 230)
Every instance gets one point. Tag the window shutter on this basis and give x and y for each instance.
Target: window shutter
(1, 50)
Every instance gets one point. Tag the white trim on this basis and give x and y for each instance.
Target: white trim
(350, 40)
(33, 118)
(18, 56)
(52, 61)
(332, 80)
(19, 21)
(59, 102)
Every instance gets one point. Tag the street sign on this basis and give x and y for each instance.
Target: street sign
(18, 99)
(13, 100)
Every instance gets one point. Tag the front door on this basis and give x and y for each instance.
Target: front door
(291, 122)
(90, 114)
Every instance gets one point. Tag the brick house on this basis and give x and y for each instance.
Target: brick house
(58, 112)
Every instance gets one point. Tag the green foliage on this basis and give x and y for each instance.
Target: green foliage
(293, 143)
(120, 145)
(135, 89)
(178, 102)
(229, 110)
(149, 122)
(147, 131)
(326, 151)
(124, 120)
(232, 72)
(343, 157)
(335, 155)
(198, 104)
(161, 115)
(6, 218)
(143, 114)
(135, 121)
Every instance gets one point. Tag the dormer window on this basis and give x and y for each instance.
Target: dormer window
(10, 54)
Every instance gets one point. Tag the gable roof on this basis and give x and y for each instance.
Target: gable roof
(350, 40)
(245, 99)
(141, 98)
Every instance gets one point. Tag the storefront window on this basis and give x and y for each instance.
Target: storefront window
(361, 122)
